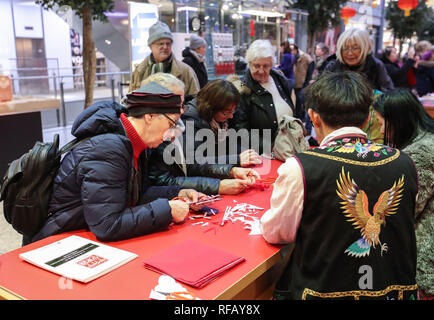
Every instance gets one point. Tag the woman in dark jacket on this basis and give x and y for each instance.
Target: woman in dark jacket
(168, 165)
(102, 184)
(354, 53)
(208, 138)
(194, 56)
(408, 127)
(266, 95)
(398, 74)
(170, 168)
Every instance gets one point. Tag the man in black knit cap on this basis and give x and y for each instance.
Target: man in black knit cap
(102, 184)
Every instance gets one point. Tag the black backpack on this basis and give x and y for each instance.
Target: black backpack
(28, 183)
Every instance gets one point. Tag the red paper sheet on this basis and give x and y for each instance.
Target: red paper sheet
(193, 263)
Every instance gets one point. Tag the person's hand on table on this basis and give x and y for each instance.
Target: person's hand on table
(233, 186)
(191, 196)
(249, 157)
(179, 210)
(245, 174)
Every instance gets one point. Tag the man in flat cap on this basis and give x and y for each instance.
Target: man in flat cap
(162, 59)
(194, 56)
(102, 184)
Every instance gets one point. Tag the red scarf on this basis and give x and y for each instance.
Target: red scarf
(136, 141)
(411, 78)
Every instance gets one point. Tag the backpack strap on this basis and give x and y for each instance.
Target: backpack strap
(72, 144)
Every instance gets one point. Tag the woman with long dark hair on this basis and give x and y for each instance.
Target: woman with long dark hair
(408, 127)
(210, 113)
(405, 120)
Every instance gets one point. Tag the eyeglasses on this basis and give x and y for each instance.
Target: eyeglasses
(352, 49)
(163, 43)
(174, 124)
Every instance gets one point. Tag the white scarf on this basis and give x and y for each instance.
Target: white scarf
(200, 58)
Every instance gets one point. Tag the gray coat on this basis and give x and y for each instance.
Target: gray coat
(421, 150)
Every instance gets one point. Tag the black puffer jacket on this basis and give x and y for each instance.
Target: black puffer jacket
(98, 187)
(201, 144)
(201, 177)
(398, 74)
(373, 69)
(198, 67)
(256, 110)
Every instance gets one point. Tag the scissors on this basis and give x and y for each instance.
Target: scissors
(268, 156)
(179, 295)
(269, 180)
(200, 202)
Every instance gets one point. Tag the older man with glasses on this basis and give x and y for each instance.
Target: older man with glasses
(169, 166)
(162, 59)
(103, 183)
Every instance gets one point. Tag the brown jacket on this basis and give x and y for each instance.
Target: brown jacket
(179, 69)
(300, 68)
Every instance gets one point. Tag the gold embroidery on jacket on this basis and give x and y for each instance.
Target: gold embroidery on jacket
(359, 163)
(358, 293)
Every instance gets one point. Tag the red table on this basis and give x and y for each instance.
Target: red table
(251, 279)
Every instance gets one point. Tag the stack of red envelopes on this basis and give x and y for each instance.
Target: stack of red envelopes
(193, 263)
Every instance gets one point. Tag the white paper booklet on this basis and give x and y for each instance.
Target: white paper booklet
(78, 258)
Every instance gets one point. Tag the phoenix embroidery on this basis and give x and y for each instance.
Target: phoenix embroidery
(355, 206)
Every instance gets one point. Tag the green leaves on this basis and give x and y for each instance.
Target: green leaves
(405, 27)
(321, 13)
(98, 7)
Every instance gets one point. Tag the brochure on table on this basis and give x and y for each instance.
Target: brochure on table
(78, 258)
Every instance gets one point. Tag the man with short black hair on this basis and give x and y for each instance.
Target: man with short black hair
(348, 205)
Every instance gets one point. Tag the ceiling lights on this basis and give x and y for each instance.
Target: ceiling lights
(262, 13)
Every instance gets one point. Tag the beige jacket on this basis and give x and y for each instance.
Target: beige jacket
(300, 68)
(179, 69)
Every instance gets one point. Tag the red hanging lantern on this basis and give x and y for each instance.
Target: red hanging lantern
(347, 12)
(252, 27)
(407, 6)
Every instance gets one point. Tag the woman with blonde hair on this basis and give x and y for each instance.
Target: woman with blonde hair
(354, 53)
